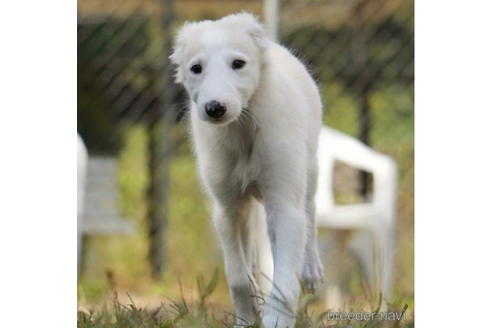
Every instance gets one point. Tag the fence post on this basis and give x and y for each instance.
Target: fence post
(160, 148)
(270, 10)
(364, 136)
(362, 88)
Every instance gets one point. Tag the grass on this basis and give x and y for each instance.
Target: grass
(200, 313)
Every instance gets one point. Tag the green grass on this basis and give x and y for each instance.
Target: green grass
(200, 313)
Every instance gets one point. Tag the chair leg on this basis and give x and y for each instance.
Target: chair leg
(384, 247)
(362, 245)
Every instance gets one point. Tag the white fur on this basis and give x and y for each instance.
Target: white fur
(262, 152)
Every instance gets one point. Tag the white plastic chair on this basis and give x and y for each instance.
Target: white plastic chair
(376, 217)
(97, 192)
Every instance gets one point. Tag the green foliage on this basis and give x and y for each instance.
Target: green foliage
(205, 290)
(94, 122)
(340, 109)
(180, 313)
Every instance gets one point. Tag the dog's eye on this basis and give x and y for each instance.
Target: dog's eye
(197, 68)
(238, 64)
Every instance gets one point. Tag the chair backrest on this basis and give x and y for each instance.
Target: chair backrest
(337, 146)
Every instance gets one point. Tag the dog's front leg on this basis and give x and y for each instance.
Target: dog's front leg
(313, 272)
(233, 230)
(286, 230)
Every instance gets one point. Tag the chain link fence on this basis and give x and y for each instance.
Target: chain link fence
(359, 51)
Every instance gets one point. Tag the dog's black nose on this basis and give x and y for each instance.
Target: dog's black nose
(215, 109)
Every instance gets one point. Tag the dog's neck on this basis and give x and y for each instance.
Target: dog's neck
(241, 133)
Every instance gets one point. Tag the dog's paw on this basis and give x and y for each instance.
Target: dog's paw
(312, 273)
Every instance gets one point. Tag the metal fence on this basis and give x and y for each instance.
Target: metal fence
(360, 45)
(359, 51)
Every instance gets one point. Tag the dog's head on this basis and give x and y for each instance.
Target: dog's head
(219, 63)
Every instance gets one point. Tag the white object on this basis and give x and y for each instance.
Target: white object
(101, 212)
(271, 9)
(82, 159)
(377, 216)
(97, 210)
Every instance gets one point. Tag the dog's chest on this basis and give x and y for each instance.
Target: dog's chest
(244, 172)
(244, 163)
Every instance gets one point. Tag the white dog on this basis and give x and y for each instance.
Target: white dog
(255, 118)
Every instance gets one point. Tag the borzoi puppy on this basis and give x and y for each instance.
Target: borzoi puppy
(255, 118)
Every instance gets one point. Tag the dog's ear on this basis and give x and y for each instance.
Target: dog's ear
(177, 57)
(248, 22)
(257, 31)
(259, 36)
